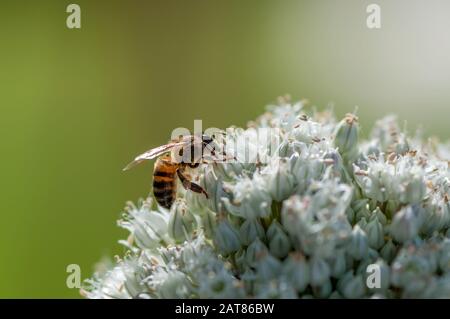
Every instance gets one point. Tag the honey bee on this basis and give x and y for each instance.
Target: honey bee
(186, 151)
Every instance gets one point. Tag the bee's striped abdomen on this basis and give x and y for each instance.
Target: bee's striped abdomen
(164, 182)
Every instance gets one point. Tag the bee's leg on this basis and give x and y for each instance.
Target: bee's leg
(187, 184)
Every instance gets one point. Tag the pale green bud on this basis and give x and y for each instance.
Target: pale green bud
(319, 270)
(249, 278)
(360, 204)
(362, 223)
(219, 284)
(280, 244)
(296, 270)
(257, 248)
(346, 139)
(406, 224)
(350, 214)
(250, 230)
(388, 251)
(324, 290)
(375, 233)
(240, 259)
(275, 289)
(338, 263)
(362, 214)
(359, 245)
(226, 237)
(214, 187)
(361, 209)
(444, 259)
(378, 214)
(373, 254)
(208, 222)
(392, 206)
(336, 295)
(267, 266)
(181, 222)
(351, 286)
(274, 227)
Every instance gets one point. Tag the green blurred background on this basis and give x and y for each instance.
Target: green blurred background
(77, 105)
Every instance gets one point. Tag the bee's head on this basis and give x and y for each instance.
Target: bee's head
(207, 139)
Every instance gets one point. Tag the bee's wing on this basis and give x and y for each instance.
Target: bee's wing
(152, 153)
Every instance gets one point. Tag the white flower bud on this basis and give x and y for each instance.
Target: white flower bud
(279, 179)
(214, 188)
(181, 222)
(306, 170)
(174, 286)
(414, 188)
(250, 198)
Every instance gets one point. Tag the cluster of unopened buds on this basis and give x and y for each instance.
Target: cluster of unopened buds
(308, 219)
